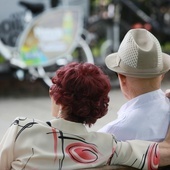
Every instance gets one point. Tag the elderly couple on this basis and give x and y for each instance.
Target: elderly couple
(139, 138)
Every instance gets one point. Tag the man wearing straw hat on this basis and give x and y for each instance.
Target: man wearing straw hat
(140, 65)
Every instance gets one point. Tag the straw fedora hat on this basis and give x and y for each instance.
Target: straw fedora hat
(139, 55)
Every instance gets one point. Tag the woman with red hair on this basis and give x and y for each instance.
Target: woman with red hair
(81, 92)
(79, 96)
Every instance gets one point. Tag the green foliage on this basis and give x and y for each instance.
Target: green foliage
(2, 60)
(166, 47)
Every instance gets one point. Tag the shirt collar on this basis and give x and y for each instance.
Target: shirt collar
(68, 126)
(141, 99)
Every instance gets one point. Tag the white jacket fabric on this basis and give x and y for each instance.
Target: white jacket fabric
(145, 117)
(31, 144)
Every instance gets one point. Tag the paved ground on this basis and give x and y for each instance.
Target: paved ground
(40, 107)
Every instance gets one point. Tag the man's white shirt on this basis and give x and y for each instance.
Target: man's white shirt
(144, 117)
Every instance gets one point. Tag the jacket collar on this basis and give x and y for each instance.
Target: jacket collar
(68, 126)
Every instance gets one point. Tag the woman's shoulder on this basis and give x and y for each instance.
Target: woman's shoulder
(25, 122)
(22, 126)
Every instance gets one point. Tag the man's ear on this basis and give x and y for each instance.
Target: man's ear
(122, 79)
(162, 76)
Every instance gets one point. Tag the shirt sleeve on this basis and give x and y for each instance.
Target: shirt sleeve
(7, 146)
(137, 154)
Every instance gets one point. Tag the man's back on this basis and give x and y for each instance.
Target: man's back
(144, 117)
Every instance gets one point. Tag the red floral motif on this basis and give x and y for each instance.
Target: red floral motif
(55, 143)
(82, 152)
(153, 157)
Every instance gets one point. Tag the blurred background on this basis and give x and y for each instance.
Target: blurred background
(24, 85)
(104, 24)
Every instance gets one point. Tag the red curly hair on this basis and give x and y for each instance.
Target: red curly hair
(82, 91)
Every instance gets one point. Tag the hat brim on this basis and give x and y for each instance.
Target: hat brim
(113, 62)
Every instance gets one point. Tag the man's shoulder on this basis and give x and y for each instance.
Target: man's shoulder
(115, 124)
